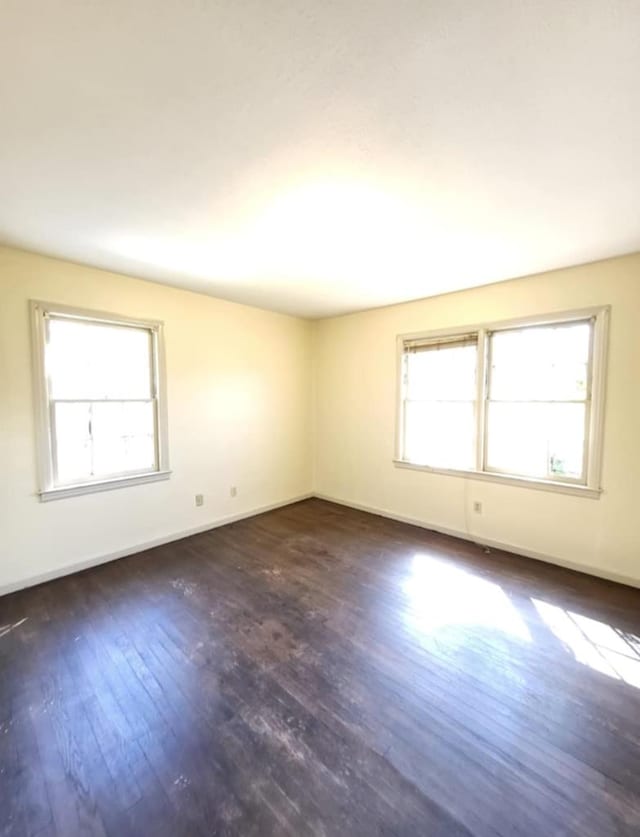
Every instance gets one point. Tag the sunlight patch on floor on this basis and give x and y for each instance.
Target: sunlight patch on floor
(440, 594)
(593, 643)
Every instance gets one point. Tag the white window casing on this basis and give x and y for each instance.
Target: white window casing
(587, 484)
(51, 484)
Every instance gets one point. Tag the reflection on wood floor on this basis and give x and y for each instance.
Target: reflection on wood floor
(320, 671)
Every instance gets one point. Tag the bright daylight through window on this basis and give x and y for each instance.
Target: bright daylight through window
(513, 401)
(100, 392)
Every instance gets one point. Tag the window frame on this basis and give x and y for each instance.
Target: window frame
(590, 485)
(48, 489)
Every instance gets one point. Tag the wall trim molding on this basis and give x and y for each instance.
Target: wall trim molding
(492, 544)
(96, 560)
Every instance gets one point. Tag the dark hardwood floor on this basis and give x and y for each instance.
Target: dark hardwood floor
(320, 671)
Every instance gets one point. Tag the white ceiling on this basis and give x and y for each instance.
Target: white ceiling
(321, 156)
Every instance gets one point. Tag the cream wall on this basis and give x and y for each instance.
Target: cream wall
(252, 394)
(355, 360)
(239, 398)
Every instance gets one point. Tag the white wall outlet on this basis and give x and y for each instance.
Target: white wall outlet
(477, 506)
(199, 499)
(233, 491)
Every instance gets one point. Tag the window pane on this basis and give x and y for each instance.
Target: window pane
(73, 442)
(536, 440)
(91, 361)
(440, 407)
(123, 437)
(548, 363)
(440, 434)
(100, 439)
(442, 374)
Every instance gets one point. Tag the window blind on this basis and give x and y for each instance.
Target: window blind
(456, 341)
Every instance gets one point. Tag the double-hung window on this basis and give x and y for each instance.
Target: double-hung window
(517, 402)
(440, 400)
(100, 398)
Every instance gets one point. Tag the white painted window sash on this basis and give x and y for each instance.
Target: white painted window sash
(49, 485)
(550, 477)
(589, 484)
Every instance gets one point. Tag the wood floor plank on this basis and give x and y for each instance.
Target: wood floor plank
(317, 670)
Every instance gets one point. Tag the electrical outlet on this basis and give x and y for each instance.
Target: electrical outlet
(477, 507)
(199, 499)
(233, 491)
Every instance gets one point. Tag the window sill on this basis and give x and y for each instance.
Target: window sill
(103, 485)
(505, 479)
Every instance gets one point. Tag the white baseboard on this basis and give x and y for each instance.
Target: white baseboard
(223, 521)
(141, 547)
(506, 547)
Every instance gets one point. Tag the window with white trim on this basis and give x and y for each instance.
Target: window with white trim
(440, 401)
(517, 401)
(99, 386)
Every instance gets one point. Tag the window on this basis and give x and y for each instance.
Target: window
(101, 420)
(440, 401)
(515, 402)
(538, 401)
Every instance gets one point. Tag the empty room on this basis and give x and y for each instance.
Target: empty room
(320, 418)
